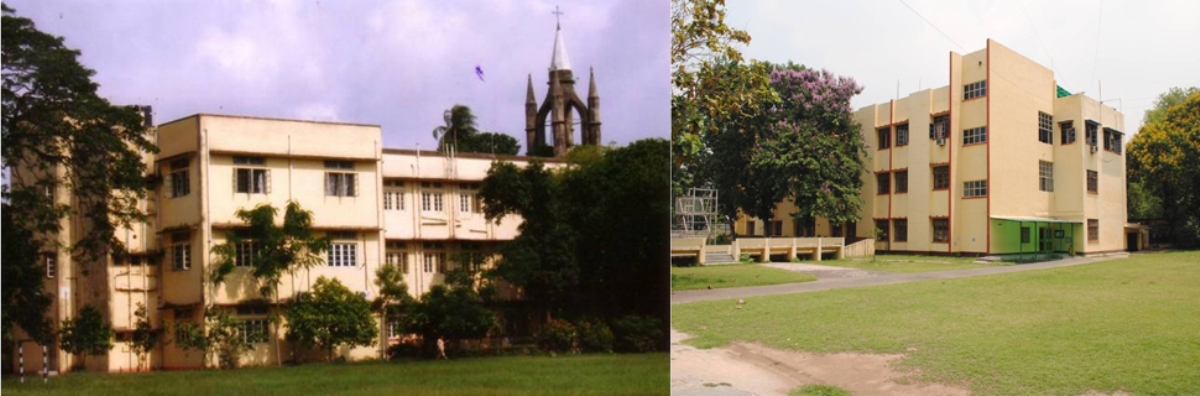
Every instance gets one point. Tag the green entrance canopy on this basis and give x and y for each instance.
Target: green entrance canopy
(1062, 92)
(1037, 219)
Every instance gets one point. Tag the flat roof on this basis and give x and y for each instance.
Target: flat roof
(1037, 219)
(197, 115)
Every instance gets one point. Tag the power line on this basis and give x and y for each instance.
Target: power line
(1038, 35)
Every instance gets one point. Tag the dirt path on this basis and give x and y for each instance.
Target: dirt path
(754, 369)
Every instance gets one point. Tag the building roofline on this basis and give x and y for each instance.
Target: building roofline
(432, 153)
(198, 115)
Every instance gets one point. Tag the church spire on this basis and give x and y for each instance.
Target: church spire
(559, 60)
(529, 92)
(592, 93)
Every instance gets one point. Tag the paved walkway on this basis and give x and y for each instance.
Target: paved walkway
(831, 282)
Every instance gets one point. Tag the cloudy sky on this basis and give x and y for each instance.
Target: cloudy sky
(1136, 49)
(399, 64)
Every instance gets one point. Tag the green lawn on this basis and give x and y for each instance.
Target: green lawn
(1128, 325)
(907, 263)
(732, 275)
(581, 375)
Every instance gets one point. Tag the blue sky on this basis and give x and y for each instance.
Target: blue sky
(399, 64)
(1137, 49)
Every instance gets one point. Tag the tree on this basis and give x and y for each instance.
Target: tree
(1142, 204)
(454, 310)
(1163, 158)
(145, 337)
(86, 334)
(272, 250)
(806, 147)
(59, 133)
(25, 299)
(488, 143)
(1173, 96)
(460, 123)
(393, 300)
(329, 316)
(223, 337)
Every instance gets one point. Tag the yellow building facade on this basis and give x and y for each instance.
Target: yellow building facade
(994, 163)
(416, 209)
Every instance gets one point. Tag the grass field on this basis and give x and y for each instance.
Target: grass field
(907, 263)
(733, 275)
(1128, 325)
(580, 375)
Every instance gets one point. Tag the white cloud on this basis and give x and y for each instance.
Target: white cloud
(317, 111)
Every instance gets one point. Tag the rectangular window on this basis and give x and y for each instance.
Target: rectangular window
(336, 164)
(431, 201)
(342, 255)
(939, 127)
(1025, 237)
(250, 181)
(882, 227)
(244, 254)
(243, 160)
(1046, 176)
(975, 135)
(253, 331)
(1113, 140)
(750, 227)
(1045, 128)
(975, 90)
(941, 177)
(51, 261)
(393, 200)
(885, 137)
(398, 259)
(1091, 129)
(339, 184)
(882, 180)
(837, 230)
(941, 230)
(1068, 132)
(430, 262)
(1093, 182)
(1093, 230)
(181, 250)
(775, 228)
(900, 230)
(901, 181)
(464, 202)
(180, 183)
(976, 188)
(901, 135)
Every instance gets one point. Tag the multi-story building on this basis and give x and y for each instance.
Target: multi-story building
(1011, 164)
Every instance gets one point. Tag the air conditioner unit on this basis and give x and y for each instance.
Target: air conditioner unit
(1095, 149)
(941, 142)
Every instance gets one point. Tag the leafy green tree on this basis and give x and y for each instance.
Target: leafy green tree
(275, 250)
(145, 337)
(393, 300)
(1173, 96)
(86, 334)
(59, 133)
(459, 124)
(451, 311)
(489, 143)
(330, 316)
(25, 300)
(1163, 158)
(224, 338)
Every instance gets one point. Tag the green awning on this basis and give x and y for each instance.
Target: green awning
(1037, 220)
(1062, 92)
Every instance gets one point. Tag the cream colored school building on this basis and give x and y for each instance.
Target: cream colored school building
(997, 162)
(416, 209)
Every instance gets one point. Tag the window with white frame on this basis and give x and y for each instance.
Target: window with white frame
(975, 90)
(253, 331)
(398, 259)
(1045, 128)
(430, 262)
(1046, 176)
(251, 180)
(181, 250)
(939, 127)
(902, 135)
(244, 253)
(431, 197)
(1091, 130)
(340, 184)
(343, 254)
(975, 135)
(393, 195)
(977, 188)
(51, 261)
(180, 180)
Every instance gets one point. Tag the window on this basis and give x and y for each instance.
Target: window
(775, 228)
(1068, 132)
(464, 202)
(243, 160)
(750, 227)
(431, 201)
(1046, 176)
(939, 128)
(336, 164)
(181, 250)
(837, 230)
(1093, 182)
(941, 230)
(430, 262)
(1113, 140)
(51, 261)
(941, 177)
(180, 184)
(393, 195)
(244, 254)
(1025, 238)
(805, 227)
(902, 135)
(250, 181)
(976, 188)
(338, 184)
(342, 255)
(901, 181)
(253, 331)
(882, 227)
(900, 229)
(1045, 128)
(975, 90)
(882, 181)
(398, 259)
(975, 135)
(885, 137)
(1091, 129)
(1093, 230)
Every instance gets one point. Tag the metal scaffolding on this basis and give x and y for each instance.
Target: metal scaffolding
(696, 214)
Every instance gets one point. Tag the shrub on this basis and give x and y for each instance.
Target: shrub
(745, 258)
(639, 334)
(556, 336)
(595, 336)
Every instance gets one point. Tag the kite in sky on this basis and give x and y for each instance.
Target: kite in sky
(479, 72)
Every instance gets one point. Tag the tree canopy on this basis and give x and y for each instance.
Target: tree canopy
(461, 133)
(87, 333)
(329, 316)
(25, 300)
(1163, 159)
(272, 250)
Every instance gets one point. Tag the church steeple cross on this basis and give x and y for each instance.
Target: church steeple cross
(557, 14)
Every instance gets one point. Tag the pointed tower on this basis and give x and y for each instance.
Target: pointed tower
(561, 105)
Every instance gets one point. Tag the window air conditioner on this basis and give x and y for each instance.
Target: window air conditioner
(1095, 149)
(941, 142)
